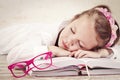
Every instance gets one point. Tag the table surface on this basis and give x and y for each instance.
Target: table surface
(6, 75)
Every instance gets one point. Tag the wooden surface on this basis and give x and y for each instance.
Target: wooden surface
(6, 75)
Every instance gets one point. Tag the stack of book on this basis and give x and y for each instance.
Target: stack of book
(68, 66)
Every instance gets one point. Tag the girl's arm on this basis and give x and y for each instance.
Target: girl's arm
(113, 52)
(101, 53)
(116, 52)
(57, 51)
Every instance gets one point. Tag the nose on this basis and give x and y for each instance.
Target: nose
(71, 44)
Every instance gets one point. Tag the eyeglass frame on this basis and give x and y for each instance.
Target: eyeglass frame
(29, 62)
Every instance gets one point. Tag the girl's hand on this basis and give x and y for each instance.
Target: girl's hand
(57, 51)
(85, 54)
(90, 54)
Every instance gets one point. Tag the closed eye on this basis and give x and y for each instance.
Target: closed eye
(72, 31)
(81, 46)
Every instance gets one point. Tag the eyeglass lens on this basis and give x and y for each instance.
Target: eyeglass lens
(42, 61)
(19, 69)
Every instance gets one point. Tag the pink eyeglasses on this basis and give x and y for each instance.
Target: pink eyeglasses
(22, 68)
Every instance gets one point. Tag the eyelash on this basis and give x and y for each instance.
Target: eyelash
(80, 45)
(72, 31)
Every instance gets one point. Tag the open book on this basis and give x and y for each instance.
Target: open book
(66, 66)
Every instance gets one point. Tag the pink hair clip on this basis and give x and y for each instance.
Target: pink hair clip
(112, 24)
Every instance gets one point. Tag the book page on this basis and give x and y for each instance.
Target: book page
(59, 62)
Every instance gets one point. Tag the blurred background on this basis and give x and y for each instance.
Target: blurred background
(48, 11)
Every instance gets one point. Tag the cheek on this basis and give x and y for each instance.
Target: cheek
(64, 34)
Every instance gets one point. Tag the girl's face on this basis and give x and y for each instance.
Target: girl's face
(79, 34)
